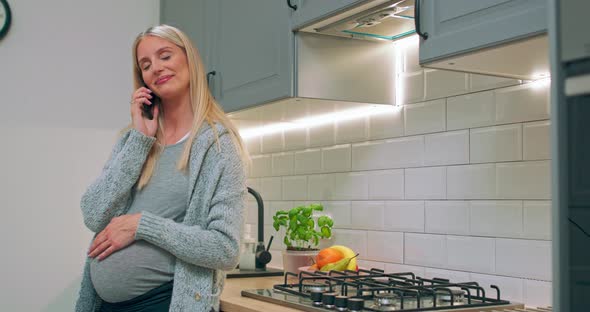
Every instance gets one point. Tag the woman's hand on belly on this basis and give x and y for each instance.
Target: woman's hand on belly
(118, 234)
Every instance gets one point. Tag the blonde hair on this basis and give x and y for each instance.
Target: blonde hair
(204, 106)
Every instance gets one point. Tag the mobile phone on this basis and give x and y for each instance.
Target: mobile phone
(147, 111)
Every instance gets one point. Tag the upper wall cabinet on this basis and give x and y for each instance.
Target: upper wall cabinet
(306, 11)
(256, 58)
(191, 17)
(253, 57)
(508, 34)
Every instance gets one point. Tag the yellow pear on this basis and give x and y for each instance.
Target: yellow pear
(347, 253)
(340, 265)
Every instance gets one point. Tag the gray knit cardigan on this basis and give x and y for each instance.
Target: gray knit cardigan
(207, 241)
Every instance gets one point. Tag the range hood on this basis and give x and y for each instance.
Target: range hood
(374, 20)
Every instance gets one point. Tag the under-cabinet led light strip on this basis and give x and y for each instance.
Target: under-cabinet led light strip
(318, 120)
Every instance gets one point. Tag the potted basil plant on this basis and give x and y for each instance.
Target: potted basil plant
(303, 233)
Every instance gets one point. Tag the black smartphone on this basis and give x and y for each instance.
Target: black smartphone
(147, 111)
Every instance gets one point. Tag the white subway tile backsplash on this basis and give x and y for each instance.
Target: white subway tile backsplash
(261, 166)
(350, 186)
(426, 183)
(272, 143)
(253, 183)
(394, 153)
(282, 164)
(457, 276)
(471, 182)
(251, 212)
(484, 82)
(448, 148)
(447, 217)
(295, 139)
(474, 254)
(443, 83)
(523, 258)
(323, 135)
(340, 213)
(538, 293)
(367, 265)
(386, 184)
(295, 188)
(271, 188)
(454, 187)
(253, 145)
(512, 289)
(336, 158)
(387, 125)
(407, 216)
(426, 117)
(367, 215)
(471, 110)
(522, 103)
(308, 161)
(385, 246)
(537, 219)
(413, 87)
(354, 239)
(410, 54)
(396, 267)
(536, 140)
(497, 218)
(353, 130)
(320, 187)
(494, 144)
(425, 249)
(524, 180)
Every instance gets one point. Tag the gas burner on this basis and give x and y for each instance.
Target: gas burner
(444, 296)
(310, 287)
(386, 302)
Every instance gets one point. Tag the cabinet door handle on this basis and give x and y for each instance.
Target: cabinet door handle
(209, 74)
(292, 6)
(417, 20)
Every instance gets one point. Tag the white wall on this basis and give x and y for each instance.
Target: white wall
(456, 183)
(65, 84)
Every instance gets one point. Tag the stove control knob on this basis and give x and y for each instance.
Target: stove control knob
(355, 304)
(328, 300)
(316, 297)
(341, 303)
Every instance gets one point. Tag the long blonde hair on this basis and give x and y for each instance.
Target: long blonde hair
(204, 106)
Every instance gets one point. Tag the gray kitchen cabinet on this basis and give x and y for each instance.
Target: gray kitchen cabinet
(456, 28)
(248, 44)
(191, 17)
(253, 57)
(311, 10)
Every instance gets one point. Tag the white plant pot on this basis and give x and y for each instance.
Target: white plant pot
(294, 259)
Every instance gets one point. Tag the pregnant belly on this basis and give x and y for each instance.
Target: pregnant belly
(131, 272)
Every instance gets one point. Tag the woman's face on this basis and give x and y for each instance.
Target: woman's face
(163, 66)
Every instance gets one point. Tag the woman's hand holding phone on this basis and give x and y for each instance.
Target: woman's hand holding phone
(141, 123)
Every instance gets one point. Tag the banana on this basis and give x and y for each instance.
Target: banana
(340, 265)
(348, 254)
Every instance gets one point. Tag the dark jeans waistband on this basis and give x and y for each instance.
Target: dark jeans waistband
(155, 300)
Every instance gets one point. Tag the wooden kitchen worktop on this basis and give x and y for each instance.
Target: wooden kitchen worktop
(232, 300)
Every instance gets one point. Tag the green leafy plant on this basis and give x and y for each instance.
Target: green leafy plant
(302, 231)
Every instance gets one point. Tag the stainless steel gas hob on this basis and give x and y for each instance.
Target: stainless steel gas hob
(375, 290)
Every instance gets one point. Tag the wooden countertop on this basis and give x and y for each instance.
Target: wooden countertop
(232, 300)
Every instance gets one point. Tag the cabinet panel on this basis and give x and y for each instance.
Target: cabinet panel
(310, 10)
(459, 26)
(191, 17)
(253, 52)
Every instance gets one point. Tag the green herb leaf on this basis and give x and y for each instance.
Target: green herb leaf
(326, 232)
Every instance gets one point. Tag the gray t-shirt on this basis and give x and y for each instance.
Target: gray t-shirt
(141, 266)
